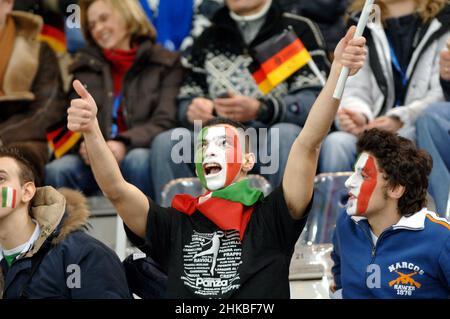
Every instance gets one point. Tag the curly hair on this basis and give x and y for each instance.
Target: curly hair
(427, 9)
(402, 164)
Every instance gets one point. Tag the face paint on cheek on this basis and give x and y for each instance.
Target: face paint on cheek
(367, 186)
(8, 198)
(233, 156)
(199, 157)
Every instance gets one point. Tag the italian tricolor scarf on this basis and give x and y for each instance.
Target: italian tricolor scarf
(229, 208)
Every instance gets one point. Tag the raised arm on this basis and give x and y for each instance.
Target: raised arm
(131, 204)
(298, 180)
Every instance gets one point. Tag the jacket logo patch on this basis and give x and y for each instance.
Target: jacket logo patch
(406, 282)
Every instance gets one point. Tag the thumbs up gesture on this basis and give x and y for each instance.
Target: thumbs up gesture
(82, 113)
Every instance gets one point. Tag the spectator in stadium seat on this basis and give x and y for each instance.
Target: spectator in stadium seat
(135, 82)
(31, 94)
(44, 250)
(400, 78)
(219, 83)
(433, 134)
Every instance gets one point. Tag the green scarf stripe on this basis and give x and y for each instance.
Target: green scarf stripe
(199, 156)
(240, 192)
(4, 196)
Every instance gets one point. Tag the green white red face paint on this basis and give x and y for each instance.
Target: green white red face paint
(361, 185)
(8, 197)
(218, 158)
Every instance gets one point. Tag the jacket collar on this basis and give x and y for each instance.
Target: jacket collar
(58, 213)
(413, 222)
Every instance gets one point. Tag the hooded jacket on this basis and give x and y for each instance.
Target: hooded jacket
(74, 266)
(372, 90)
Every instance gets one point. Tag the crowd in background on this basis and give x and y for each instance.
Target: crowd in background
(154, 66)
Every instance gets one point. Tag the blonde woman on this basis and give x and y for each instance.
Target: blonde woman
(135, 83)
(400, 77)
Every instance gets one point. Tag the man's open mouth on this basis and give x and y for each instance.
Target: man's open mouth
(212, 168)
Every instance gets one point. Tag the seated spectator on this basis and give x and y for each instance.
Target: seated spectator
(44, 251)
(220, 84)
(433, 135)
(400, 78)
(177, 22)
(135, 83)
(328, 14)
(387, 244)
(31, 94)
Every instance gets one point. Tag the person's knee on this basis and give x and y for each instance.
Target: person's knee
(286, 130)
(339, 140)
(429, 119)
(56, 170)
(137, 158)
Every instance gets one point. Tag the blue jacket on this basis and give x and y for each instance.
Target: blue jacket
(411, 259)
(74, 265)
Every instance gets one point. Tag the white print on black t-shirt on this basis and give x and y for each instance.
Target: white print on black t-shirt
(211, 262)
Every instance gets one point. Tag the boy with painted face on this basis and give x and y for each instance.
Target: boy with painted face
(389, 245)
(230, 242)
(44, 251)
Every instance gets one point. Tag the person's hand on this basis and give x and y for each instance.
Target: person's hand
(238, 108)
(82, 113)
(200, 109)
(84, 154)
(118, 149)
(386, 123)
(351, 52)
(444, 64)
(351, 122)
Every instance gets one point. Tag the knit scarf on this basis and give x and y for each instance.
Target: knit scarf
(7, 36)
(229, 208)
(121, 61)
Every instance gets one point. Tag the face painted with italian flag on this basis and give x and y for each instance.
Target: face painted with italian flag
(218, 157)
(8, 197)
(361, 185)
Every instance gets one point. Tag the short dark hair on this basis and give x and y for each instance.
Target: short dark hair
(26, 173)
(222, 120)
(403, 164)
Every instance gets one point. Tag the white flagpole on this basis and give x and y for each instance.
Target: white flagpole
(359, 31)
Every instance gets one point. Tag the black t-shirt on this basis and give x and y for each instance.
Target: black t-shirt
(203, 261)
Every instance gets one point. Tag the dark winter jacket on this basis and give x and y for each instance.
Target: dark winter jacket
(149, 91)
(74, 265)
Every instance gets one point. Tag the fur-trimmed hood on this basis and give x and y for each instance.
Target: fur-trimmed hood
(24, 62)
(63, 210)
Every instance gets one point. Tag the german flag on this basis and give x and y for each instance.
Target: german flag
(277, 59)
(54, 37)
(60, 139)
